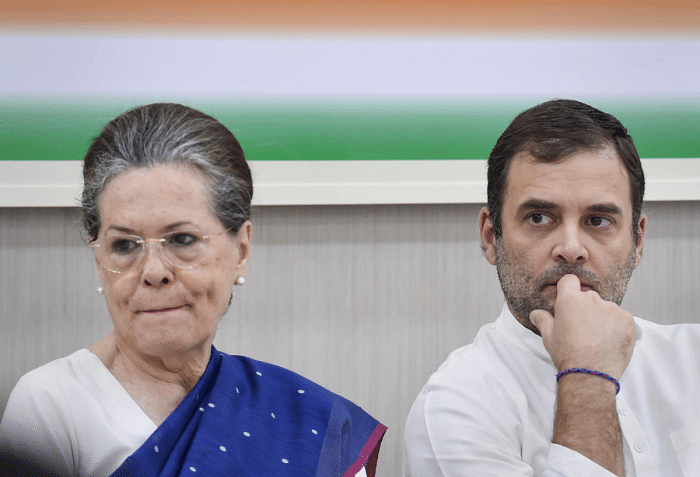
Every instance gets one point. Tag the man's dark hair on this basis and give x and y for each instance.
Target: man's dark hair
(553, 131)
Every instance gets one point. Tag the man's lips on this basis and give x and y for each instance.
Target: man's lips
(584, 285)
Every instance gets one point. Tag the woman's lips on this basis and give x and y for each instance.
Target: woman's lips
(163, 310)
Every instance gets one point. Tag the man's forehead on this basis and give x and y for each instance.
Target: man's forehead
(586, 177)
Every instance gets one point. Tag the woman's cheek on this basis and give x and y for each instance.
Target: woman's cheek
(200, 287)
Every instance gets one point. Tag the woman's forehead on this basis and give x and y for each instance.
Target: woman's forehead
(151, 198)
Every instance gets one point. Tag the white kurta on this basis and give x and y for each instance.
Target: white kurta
(489, 409)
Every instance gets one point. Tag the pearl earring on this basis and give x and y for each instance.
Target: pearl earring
(240, 281)
(100, 291)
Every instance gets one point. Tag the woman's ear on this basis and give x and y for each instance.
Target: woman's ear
(243, 243)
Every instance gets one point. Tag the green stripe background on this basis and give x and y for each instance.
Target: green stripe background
(60, 129)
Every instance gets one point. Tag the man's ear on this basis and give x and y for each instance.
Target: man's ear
(488, 237)
(642, 227)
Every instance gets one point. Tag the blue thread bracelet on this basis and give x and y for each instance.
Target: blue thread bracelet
(590, 371)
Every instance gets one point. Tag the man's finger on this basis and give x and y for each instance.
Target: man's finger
(543, 320)
(569, 283)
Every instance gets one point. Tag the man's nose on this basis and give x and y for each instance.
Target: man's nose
(570, 244)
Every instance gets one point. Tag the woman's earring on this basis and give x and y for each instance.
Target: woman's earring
(100, 291)
(240, 281)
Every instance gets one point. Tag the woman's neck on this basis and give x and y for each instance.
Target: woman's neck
(157, 384)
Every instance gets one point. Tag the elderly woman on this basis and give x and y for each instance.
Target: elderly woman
(166, 205)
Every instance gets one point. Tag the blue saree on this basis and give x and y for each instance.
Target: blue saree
(249, 418)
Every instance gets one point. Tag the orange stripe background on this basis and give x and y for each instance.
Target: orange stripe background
(623, 16)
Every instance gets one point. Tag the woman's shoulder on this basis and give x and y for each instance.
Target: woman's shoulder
(262, 375)
(265, 385)
(73, 407)
(62, 387)
(36, 418)
(58, 372)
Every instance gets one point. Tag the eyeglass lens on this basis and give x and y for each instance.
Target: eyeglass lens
(181, 249)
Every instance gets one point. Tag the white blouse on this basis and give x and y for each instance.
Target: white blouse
(73, 413)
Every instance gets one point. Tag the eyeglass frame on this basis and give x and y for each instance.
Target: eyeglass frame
(159, 244)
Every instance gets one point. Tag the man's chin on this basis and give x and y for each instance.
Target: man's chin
(521, 312)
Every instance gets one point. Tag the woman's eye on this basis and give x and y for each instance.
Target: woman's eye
(539, 219)
(123, 246)
(183, 239)
(599, 222)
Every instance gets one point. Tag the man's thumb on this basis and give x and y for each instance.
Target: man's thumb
(543, 320)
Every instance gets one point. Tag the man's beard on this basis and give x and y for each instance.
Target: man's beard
(525, 293)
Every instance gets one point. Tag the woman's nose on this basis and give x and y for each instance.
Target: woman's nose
(156, 270)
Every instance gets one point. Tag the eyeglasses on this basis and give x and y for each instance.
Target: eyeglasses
(121, 252)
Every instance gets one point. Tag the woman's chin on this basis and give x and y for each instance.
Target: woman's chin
(168, 341)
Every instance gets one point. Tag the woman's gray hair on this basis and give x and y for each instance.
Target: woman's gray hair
(169, 134)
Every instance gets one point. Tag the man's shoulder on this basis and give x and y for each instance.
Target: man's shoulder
(661, 327)
(649, 330)
(470, 359)
(506, 366)
(492, 361)
(667, 339)
(482, 394)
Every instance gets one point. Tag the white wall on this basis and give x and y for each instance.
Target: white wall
(366, 300)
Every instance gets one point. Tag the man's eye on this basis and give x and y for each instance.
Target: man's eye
(539, 219)
(124, 246)
(183, 239)
(599, 222)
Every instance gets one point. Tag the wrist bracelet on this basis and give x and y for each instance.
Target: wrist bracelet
(590, 371)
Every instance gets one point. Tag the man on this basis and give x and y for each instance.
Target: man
(565, 230)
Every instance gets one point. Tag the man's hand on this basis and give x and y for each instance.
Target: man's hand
(586, 331)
